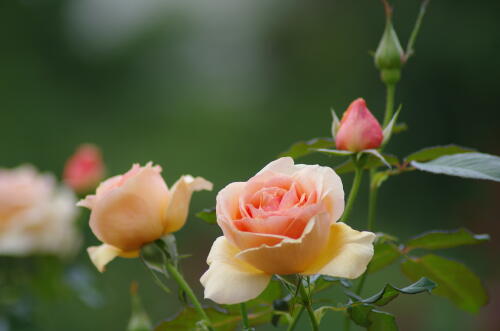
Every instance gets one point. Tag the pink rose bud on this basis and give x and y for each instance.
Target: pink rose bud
(84, 169)
(359, 129)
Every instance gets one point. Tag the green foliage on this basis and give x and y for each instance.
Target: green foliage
(303, 148)
(389, 292)
(208, 215)
(389, 129)
(371, 161)
(385, 254)
(455, 281)
(466, 165)
(260, 311)
(367, 316)
(446, 239)
(431, 153)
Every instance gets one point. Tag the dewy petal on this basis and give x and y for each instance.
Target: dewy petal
(180, 196)
(291, 256)
(103, 254)
(347, 254)
(230, 280)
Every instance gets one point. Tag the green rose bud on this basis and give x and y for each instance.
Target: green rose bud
(389, 54)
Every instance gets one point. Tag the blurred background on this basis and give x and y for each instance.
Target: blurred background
(219, 88)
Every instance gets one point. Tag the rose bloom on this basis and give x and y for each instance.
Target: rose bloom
(282, 221)
(359, 129)
(131, 210)
(36, 215)
(84, 169)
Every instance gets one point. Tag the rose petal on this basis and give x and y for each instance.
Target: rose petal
(346, 255)
(230, 280)
(180, 196)
(103, 254)
(284, 165)
(291, 256)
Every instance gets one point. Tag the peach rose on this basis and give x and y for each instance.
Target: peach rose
(282, 221)
(84, 169)
(36, 215)
(359, 129)
(131, 210)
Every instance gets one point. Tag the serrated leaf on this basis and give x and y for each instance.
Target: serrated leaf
(303, 148)
(446, 239)
(455, 281)
(466, 165)
(388, 130)
(188, 319)
(208, 215)
(371, 161)
(367, 316)
(385, 254)
(389, 292)
(431, 153)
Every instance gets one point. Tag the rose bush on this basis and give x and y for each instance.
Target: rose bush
(36, 215)
(282, 221)
(131, 210)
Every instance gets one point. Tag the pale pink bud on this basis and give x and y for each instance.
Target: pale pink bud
(359, 129)
(84, 169)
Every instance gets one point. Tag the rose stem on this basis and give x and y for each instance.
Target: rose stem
(358, 175)
(306, 301)
(176, 275)
(244, 316)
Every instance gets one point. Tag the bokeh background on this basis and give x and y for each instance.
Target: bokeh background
(219, 88)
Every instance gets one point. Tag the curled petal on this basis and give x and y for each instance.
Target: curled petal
(103, 254)
(180, 196)
(230, 280)
(346, 255)
(291, 256)
(282, 165)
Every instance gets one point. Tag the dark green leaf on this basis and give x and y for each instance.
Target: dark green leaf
(208, 215)
(466, 165)
(303, 148)
(446, 239)
(373, 320)
(390, 292)
(385, 254)
(455, 281)
(399, 127)
(371, 161)
(431, 153)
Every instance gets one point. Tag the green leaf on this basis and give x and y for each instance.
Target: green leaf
(385, 254)
(455, 281)
(303, 148)
(399, 127)
(367, 316)
(389, 292)
(371, 161)
(334, 152)
(377, 154)
(188, 319)
(466, 165)
(431, 153)
(208, 215)
(388, 130)
(139, 320)
(446, 239)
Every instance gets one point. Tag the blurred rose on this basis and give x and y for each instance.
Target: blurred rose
(282, 221)
(131, 210)
(84, 169)
(359, 129)
(36, 216)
